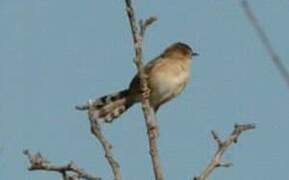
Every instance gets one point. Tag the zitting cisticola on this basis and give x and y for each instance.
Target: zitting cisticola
(167, 75)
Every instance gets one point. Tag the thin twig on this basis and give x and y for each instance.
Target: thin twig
(97, 132)
(265, 41)
(38, 162)
(138, 31)
(222, 147)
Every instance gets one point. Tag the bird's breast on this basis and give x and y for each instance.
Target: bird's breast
(167, 81)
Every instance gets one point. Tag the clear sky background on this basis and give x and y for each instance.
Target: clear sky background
(58, 53)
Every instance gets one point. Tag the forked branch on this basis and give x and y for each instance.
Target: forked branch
(138, 31)
(222, 147)
(38, 162)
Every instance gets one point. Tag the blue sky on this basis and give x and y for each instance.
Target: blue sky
(56, 54)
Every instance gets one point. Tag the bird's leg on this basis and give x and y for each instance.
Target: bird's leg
(144, 88)
(154, 131)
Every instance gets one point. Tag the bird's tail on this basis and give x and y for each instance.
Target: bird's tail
(109, 107)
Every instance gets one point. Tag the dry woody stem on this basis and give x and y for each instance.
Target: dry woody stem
(97, 132)
(138, 31)
(222, 147)
(69, 171)
(265, 41)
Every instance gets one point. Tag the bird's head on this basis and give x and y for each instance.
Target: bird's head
(179, 49)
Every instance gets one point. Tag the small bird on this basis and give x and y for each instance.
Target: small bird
(167, 75)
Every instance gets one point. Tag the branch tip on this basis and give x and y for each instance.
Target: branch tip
(216, 138)
(223, 146)
(38, 162)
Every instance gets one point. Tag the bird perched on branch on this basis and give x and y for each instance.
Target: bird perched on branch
(167, 75)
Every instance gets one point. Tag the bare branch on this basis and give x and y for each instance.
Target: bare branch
(222, 147)
(38, 162)
(216, 138)
(144, 25)
(138, 31)
(97, 132)
(265, 41)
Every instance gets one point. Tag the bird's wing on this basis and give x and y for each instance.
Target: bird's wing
(149, 67)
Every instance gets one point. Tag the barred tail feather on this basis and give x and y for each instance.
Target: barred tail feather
(110, 107)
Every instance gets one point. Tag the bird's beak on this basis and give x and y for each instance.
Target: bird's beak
(195, 54)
